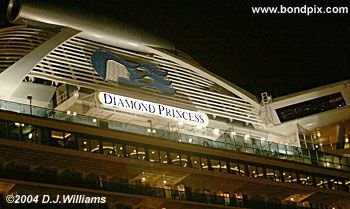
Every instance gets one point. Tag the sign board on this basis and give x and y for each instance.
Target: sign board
(128, 104)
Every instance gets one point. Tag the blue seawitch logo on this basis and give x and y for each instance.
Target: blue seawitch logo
(113, 68)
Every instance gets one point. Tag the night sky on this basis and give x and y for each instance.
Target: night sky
(280, 54)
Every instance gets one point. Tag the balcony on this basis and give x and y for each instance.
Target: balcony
(226, 141)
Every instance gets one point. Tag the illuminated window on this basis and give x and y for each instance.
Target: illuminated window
(163, 156)
(215, 165)
(260, 172)
(184, 160)
(227, 198)
(252, 171)
(319, 182)
(278, 175)
(244, 169)
(270, 174)
(204, 163)
(223, 166)
(195, 161)
(131, 151)
(175, 158)
(94, 146)
(153, 155)
(118, 150)
(310, 107)
(234, 168)
(108, 148)
(141, 154)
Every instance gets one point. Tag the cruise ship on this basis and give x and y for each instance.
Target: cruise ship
(115, 118)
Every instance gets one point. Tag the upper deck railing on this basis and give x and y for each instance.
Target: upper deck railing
(226, 141)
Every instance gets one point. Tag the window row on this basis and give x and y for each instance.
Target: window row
(120, 148)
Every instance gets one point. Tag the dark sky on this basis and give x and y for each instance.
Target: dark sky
(279, 54)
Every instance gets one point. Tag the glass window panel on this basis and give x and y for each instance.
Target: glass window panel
(298, 154)
(131, 151)
(336, 159)
(287, 176)
(67, 139)
(256, 146)
(14, 130)
(30, 134)
(153, 155)
(252, 171)
(204, 163)
(333, 184)
(27, 133)
(274, 149)
(175, 158)
(303, 179)
(319, 182)
(184, 161)
(3, 129)
(336, 162)
(278, 175)
(248, 145)
(309, 107)
(239, 143)
(309, 142)
(141, 153)
(239, 199)
(230, 143)
(265, 148)
(195, 161)
(339, 184)
(70, 141)
(205, 143)
(84, 144)
(230, 146)
(347, 184)
(291, 153)
(94, 146)
(329, 158)
(243, 169)
(309, 180)
(322, 158)
(282, 152)
(344, 163)
(260, 172)
(215, 166)
(234, 168)
(118, 150)
(223, 166)
(163, 157)
(108, 148)
(294, 177)
(326, 183)
(220, 145)
(42, 137)
(270, 174)
(193, 140)
(227, 198)
(302, 140)
(306, 156)
(57, 138)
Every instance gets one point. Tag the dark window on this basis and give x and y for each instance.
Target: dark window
(310, 107)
